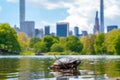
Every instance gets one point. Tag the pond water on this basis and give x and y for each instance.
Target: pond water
(37, 68)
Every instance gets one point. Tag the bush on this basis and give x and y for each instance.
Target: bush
(57, 48)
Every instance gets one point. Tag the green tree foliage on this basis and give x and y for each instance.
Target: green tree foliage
(50, 40)
(8, 39)
(99, 44)
(88, 44)
(84, 41)
(112, 41)
(33, 41)
(116, 45)
(40, 47)
(74, 44)
(57, 48)
(23, 40)
(63, 42)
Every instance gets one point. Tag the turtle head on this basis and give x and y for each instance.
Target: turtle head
(78, 62)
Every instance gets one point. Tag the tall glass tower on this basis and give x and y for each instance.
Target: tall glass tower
(76, 31)
(47, 30)
(96, 26)
(62, 29)
(26, 26)
(22, 10)
(22, 13)
(101, 15)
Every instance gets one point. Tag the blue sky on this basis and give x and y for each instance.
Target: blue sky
(79, 13)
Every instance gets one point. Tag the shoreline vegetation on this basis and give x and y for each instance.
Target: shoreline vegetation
(18, 43)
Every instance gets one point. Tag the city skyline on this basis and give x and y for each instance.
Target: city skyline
(76, 13)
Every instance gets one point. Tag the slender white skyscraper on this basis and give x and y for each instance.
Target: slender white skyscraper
(22, 14)
(22, 10)
(101, 15)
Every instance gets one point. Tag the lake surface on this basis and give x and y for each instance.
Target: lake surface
(37, 68)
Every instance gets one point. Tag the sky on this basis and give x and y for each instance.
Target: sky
(79, 13)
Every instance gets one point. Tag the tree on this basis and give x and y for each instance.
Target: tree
(57, 48)
(63, 42)
(116, 45)
(112, 41)
(40, 47)
(8, 39)
(50, 40)
(88, 44)
(99, 44)
(33, 41)
(23, 40)
(74, 44)
(84, 41)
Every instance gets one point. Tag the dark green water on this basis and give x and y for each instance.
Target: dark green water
(37, 67)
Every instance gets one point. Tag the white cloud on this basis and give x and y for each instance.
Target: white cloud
(51, 4)
(82, 14)
(112, 9)
(14, 1)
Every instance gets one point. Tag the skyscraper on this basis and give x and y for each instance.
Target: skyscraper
(96, 26)
(47, 30)
(39, 33)
(27, 27)
(111, 27)
(84, 33)
(101, 15)
(22, 13)
(62, 29)
(76, 31)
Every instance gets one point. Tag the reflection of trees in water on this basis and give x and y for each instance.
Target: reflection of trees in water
(8, 66)
(35, 68)
(102, 66)
(41, 65)
(24, 69)
(113, 68)
(86, 65)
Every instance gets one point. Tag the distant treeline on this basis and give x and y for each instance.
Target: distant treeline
(93, 44)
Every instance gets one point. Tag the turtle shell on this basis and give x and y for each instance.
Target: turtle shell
(64, 61)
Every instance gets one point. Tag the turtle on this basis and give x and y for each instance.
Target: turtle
(66, 63)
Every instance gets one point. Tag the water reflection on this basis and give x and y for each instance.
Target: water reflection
(66, 73)
(37, 68)
(8, 68)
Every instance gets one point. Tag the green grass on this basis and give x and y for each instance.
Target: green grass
(28, 53)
